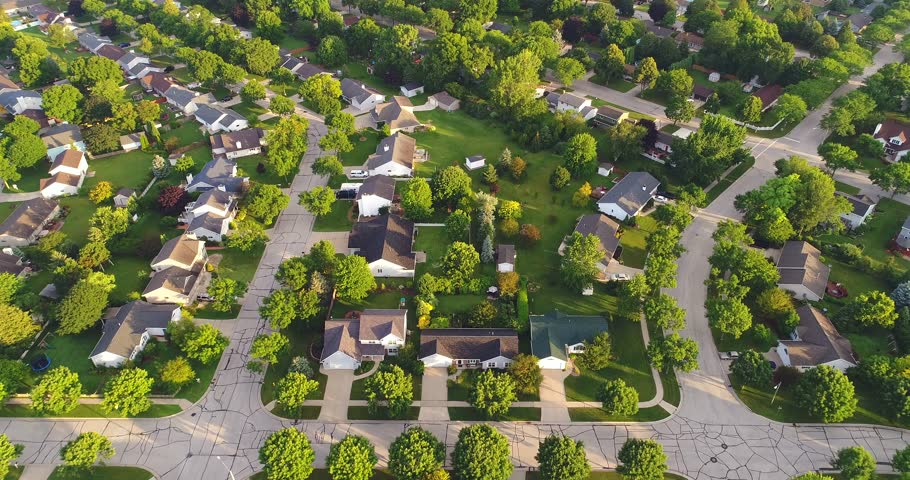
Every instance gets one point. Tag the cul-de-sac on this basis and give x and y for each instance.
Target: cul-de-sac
(455, 239)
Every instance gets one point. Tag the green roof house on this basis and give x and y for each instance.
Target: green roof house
(555, 336)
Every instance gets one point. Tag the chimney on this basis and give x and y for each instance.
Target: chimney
(237, 143)
(385, 148)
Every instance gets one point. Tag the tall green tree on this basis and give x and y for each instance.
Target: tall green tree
(855, 463)
(415, 454)
(417, 199)
(353, 278)
(85, 451)
(128, 392)
(562, 458)
(493, 393)
(287, 455)
(391, 388)
(84, 304)
(826, 394)
(482, 453)
(57, 393)
(617, 398)
(352, 459)
(642, 459)
(579, 262)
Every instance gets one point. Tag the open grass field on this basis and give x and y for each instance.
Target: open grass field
(240, 266)
(72, 351)
(633, 242)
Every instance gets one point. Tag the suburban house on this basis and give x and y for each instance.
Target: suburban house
(174, 285)
(217, 119)
(568, 102)
(860, 21)
(15, 102)
(302, 68)
(468, 347)
(701, 93)
(664, 142)
(604, 169)
(605, 229)
(13, 265)
(376, 193)
(474, 162)
(238, 144)
(210, 216)
(397, 114)
(123, 196)
(47, 16)
(394, 156)
(180, 252)
(111, 52)
(92, 42)
(136, 66)
(411, 89)
(61, 137)
(60, 184)
(181, 97)
(444, 101)
(157, 82)
(128, 329)
(661, 32)
(802, 271)
(903, 237)
(629, 196)
(768, 95)
(69, 161)
(38, 116)
(371, 337)
(863, 206)
(217, 173)
(555, 336)
(387, 243)
(894, 135)
(815, 342)
(24, 225)
(505, 258)
(609, 116)
(359, 95)
(691, 40)
(131, 142)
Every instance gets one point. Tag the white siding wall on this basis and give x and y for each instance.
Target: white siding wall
(505, 267)
(385, 268)
(801, 292)
(108, 359)
(391, 169)
(613, 210)
(436, 360)
(340, 361)
(369, 205)
(551, 363)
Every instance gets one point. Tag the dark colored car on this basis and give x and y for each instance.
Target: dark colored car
(226, 98)
(169, 69)
(125, 45)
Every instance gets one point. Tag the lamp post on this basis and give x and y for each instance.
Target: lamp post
(776, 387)
(226, 467)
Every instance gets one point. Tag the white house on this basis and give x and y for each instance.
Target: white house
(555, 336)
(370, 337)
(69, 161)
(238, 144)
(123, 196)
(629, 196)
(903, 236)
(181, 97)
(605, 169)
(411, 89)
(92, 42)
(894, 135)
(61, 137)
(863, 206)
(468, 347)
(505, 258)
(17, 101)
(60, 184)
(474, 162)
(387, 243)
(802, 271)
(175, 286)
(359, 95)
(27, 222)
(180, 252)
(815, 342)
(376, 192)
(47, 16)
(574, 103)
(394, 156)
(217, 119)
(128, 329)
(210, 216)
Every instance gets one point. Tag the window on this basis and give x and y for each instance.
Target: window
(472, 362)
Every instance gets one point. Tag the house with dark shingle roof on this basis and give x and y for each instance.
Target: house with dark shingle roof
(802, 271)
(444, 101)
(110, 51)
(629, 196)
(372, 336)
(15, 102)
(607, 232)
(397, 114)
(218, 119)
(375, 193)
(895, 135)
(210, 216)
(238, 144)
(182, 98)
(359, 95)
(394, 156)
(701, 93)
(387, 243)
(24, 225)
(505, 258)
(128, 329)
(302, 68)
(769, 94)
(91, 41)
(609, 116)
(816, 342)
(468, 347)
(178, 272)
(555, 336)
(862, 207)
(219, 173)
(61, 137)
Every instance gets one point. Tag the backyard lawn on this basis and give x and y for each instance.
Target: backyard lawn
(848, 189)
(365, 142)
(338, 220)
(73, 351)
(250, 167)
(126, 170)
(240, 266)
(186, 134)
(884, 224)
(633, 242)
(300, 341)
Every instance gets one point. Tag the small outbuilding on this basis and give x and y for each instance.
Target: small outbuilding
(475, 161)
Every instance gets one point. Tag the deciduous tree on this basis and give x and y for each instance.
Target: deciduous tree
(417, 199)
(855, 463)
(287, 455)
(597, 353)
(752, 369)
(415, 454)
(493, 393)
(482, 453)
(392, 388)
(352, 459)
(293, 390)
(562, 458)
(17, 325)
(642, 459)
(128, 392)
(826, 394)
(268, 347)
(579, 262)
(86, 450)
(353, 278)
(57, 393)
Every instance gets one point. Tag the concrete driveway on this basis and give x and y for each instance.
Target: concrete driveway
(337, 395)
(553, 397)
(433, 395)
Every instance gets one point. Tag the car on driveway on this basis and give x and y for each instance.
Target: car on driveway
(660, 199)
(125, 45)
(358, 174)
(619, 277)
(729, 355)
(227, 98)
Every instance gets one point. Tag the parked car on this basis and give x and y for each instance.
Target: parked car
(619, 277)
(359, 174)
(169, 69)
(125, 45)
(660, 199)
(226, 98)
(728, 355)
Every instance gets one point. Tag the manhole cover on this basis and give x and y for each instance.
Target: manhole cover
(713, 459)
(723, 445)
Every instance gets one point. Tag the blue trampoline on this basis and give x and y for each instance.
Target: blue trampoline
(41, 363)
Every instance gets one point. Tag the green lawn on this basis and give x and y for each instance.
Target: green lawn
(31, 177)
(516, 414)
(650, 414)
(291, 42)
(128, 169)
(880, 228)
(90, 411)
(321, 474)
(186, 134)
(534, 475)
(249, 110)
(14, 473)
(633, 242)
(376, 300)
(307, 412)
(433, 241)
(250, 165)
(461, 390)
(76, 223)
(848, 189)
(338, 220)
(300, 341)
(630, 363)
(106, 473)
(72, 351)
(365, 142)
(240, 266)
(363, 413)
(132, 274)
(358, 71)
(154, 359)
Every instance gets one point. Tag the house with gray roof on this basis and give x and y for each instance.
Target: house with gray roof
(219, 119)
(375, 193)
(629, 196)
(238, 144)
(814, 342)
(91, 41)
(220, 173)
(609, 116)
(394, 156)
(303, 69)
(555, 336)
(569, 102)
(468, 347)
(444, 101)
(61, 137)
(802, 271)
(397, 114)
(607, 232)
(24, 225)
(505, 258)
(373, 335)
(387, 244)
(13, 265)
(210, 216)
(862, 207)
(126, 331)
(359, 95)
(183, 98)
(16, 102)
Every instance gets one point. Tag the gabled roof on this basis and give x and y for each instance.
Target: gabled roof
(28, 217)
(182, 250)
(111, 51)
(553, 332)
(214, 198)
(702, 91)
(399, 148)
(157, 81)
(661, 32)
(291, 62)
(396, 113)
(355, 90)
(11, 264)
(443, 98)
(800, 264)
(5, 83)
(469, 343)
(690, 38)
(340, 336)
(176, 280)
(61, 135)
(385, 237)
(412, 86)
(376, 324)
(207, 221)
(69, 157)
(379, 185)
(610, 112)
(92, 41)
(308, 70)
(130, 139)
(861, 204)
(572, 100)
(769, 94)
(60, 178)
(208, 114)
(129, 57)
(125, 192)
(505, 253)
(235, 141)
(180, 95)
(632, 192)
(10, 98)
(219, 172)
(892, 128)
(604, 228)
(819, 341)
(124, 326)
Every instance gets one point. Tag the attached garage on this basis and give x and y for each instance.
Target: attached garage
(340, 361)
(551, 363)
